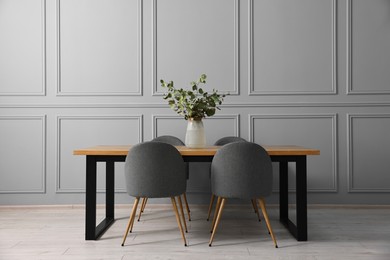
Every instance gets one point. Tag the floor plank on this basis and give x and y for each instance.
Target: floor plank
(57, 232)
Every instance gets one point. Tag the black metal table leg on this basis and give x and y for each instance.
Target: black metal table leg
(90, 199)
(298, 230)
(110, 186)
(93, 232)
(283, 191)
(301, 198)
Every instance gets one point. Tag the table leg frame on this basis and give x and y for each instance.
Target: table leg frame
(298, 230)
(93, 232)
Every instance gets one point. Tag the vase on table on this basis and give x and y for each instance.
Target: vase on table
(195, 137)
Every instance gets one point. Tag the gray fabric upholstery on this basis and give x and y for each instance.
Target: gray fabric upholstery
(228, 140)
(168, 139)
(241, 170)
(172, 140)
(155, 170)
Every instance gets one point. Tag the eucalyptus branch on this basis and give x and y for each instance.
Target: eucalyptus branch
(195, 103)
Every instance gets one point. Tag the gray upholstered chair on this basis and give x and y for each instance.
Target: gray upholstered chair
(220, 142)
(172, 140)
(154, 170)
(228, 140)
(241, 170)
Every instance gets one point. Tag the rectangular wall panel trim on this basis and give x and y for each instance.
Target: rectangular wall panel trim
(61, 118)
(350, 90)
(350, 149)
(42, 119)
(333, 117)
(43, 51)
(251, 47)
(236, 54)
(139, 36)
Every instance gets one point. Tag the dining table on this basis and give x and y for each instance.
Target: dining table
(281, 154)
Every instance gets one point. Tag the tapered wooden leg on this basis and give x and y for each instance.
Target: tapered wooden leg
(263, 209)
(144, 204)
(141, 209)
(131, 219)
(178, 220)
(182, 213)
(210, 206)
(188, 208)
(217, 221)
(254, 204)
(219, 200)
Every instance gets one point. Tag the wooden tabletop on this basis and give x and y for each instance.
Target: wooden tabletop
(185, 151)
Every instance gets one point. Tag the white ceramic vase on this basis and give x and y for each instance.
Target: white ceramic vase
(195, 137)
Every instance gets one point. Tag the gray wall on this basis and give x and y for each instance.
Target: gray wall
(77, 73)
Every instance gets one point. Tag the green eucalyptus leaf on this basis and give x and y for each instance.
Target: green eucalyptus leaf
(192, 103)
(210, 112)
(202, 78)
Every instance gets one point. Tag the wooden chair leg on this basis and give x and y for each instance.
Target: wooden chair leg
(263, 209)
(254, 204)
(144, 204)
(219, 200)
(178, 219)
(210, 206)
(217, 221)
(131, 219)
(141, 209)
(188, 208)
(182, 213)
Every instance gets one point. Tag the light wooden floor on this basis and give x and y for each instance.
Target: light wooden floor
(58, 233)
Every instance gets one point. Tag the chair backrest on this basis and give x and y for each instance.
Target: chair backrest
(228, 140)
(241, 170)
(168, 139)
(155, 170)
(172, 140)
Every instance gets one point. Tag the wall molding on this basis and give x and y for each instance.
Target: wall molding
(139, 92)
(235, 117)
(41, 118)
(43, 50)
(236, 65)
(253, 92)
(164, 105)
(349, 52)
(60, 118)
(350, 167)
(155, 119)
(333, 117)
